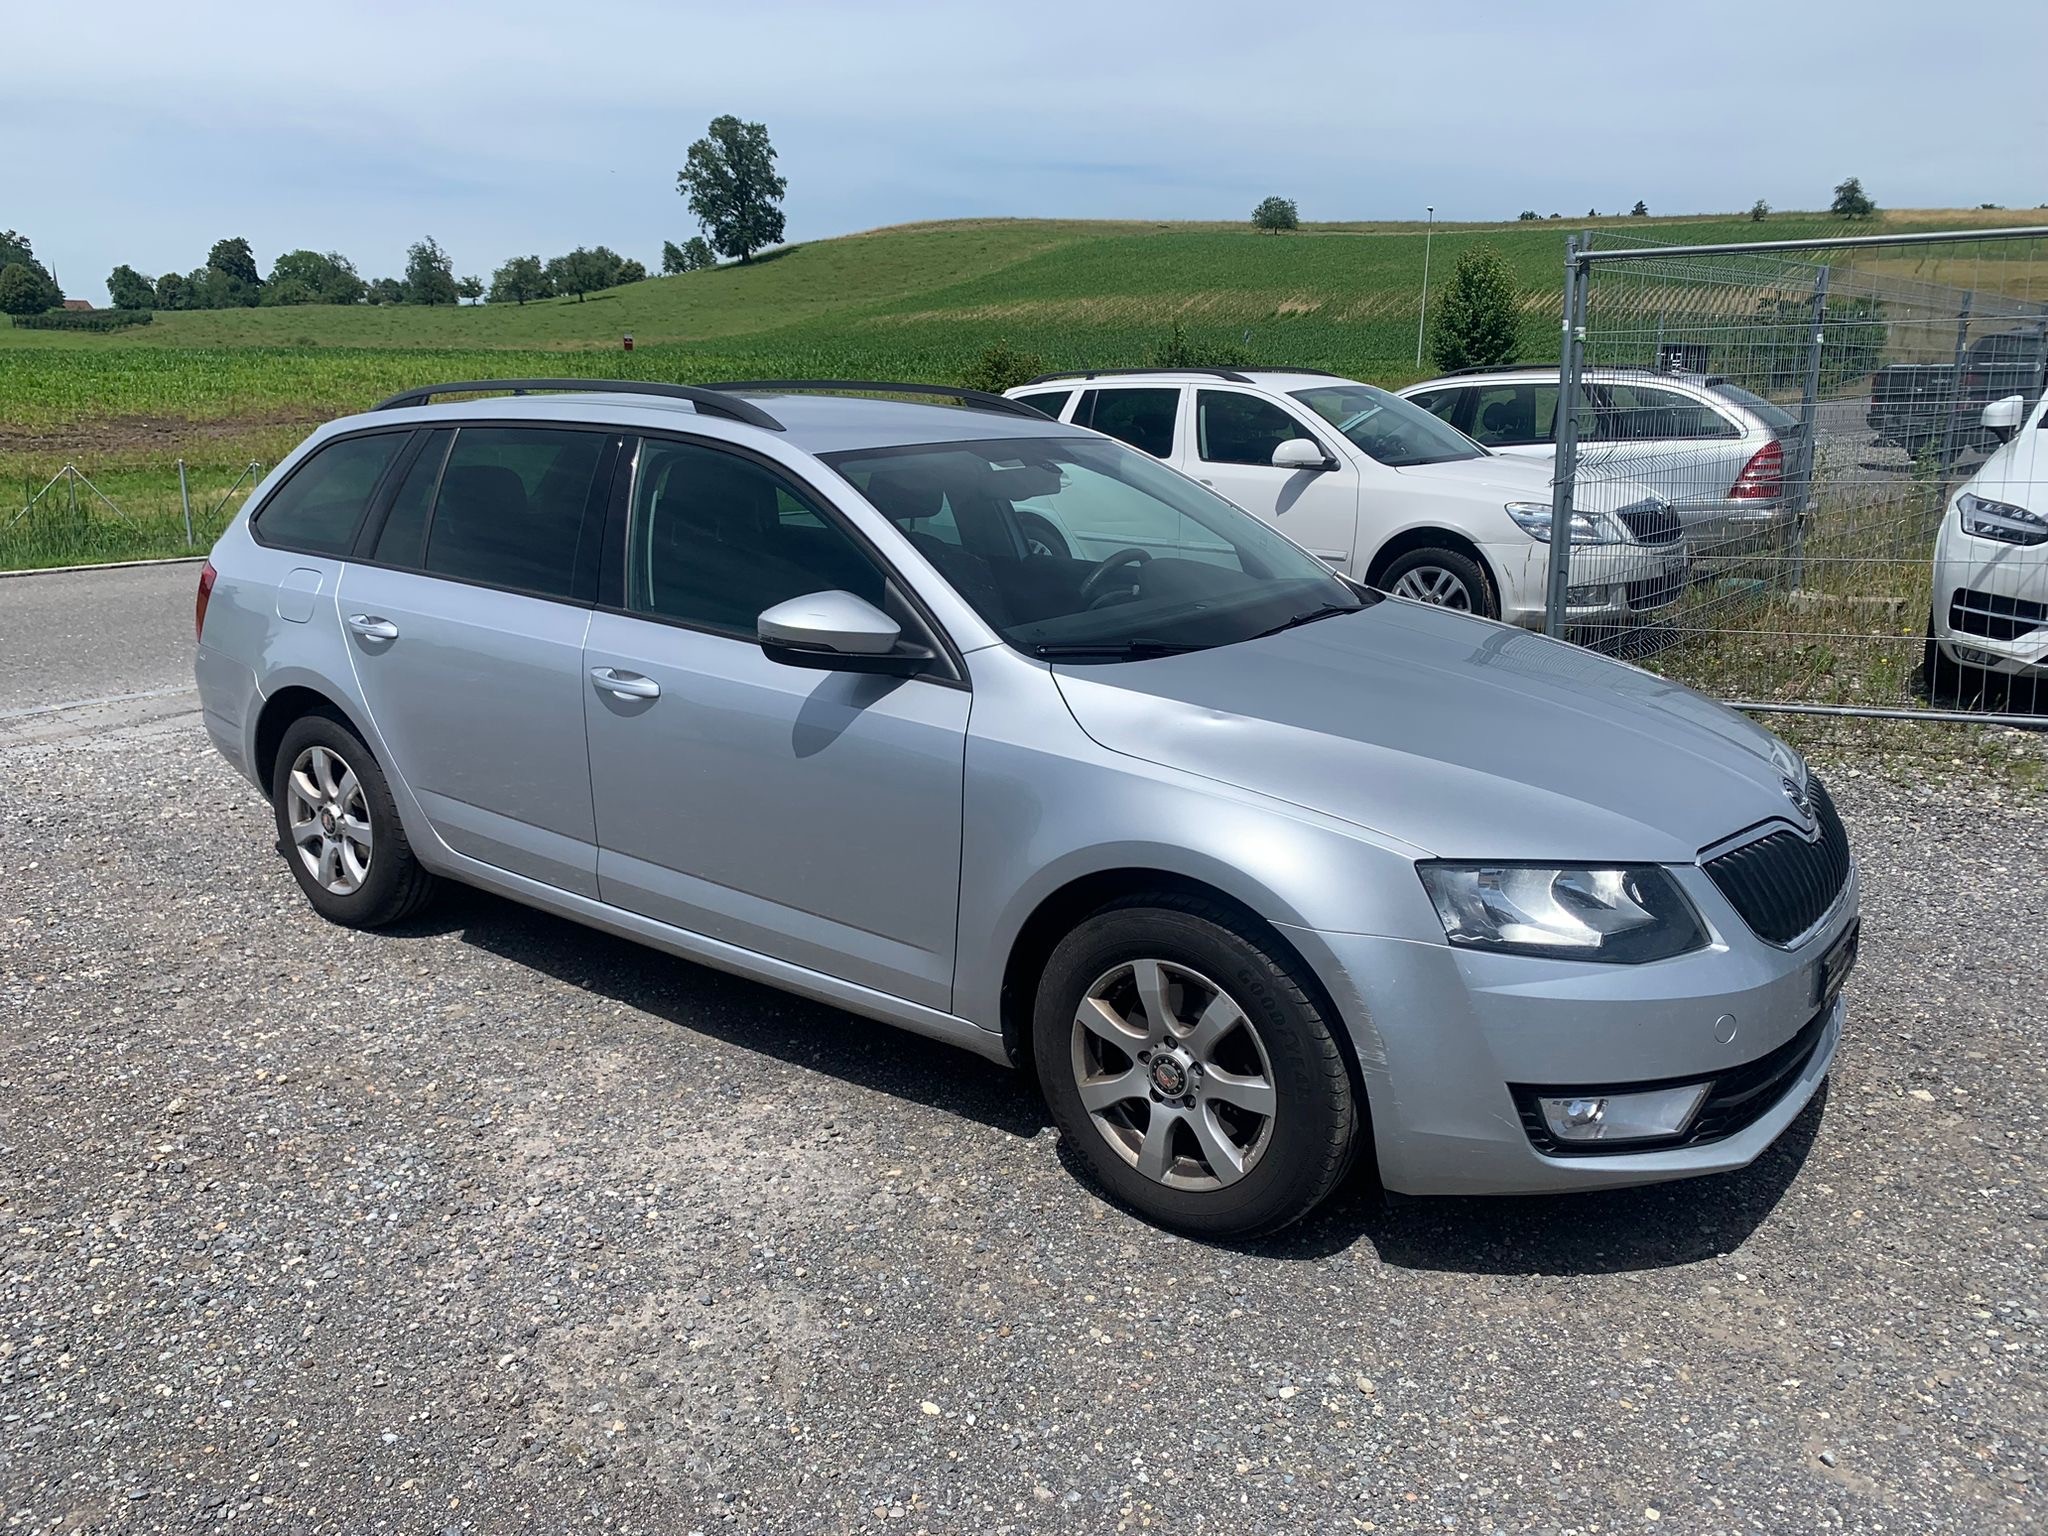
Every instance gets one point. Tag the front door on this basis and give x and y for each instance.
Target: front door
(1231, 451)
(813, 817)
(467, 639)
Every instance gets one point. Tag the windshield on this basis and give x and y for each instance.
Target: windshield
(1394, 431)
(1082, 548)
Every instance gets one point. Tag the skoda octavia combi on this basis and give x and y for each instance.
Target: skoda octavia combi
(1002, 731)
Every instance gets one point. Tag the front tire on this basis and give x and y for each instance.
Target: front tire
(1443, 578)
(338, 828)
(1190, 1069)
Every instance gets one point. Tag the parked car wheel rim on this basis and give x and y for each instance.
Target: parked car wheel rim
(1434, 585)
(1173, 1074)
(330, 820)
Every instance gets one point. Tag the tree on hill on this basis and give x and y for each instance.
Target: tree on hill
(387, 290)
(1478, 315)
(173, 292)
(429, 274)
(1759, 211)
(1641, 210)
(470, 288)
(730, 181)
(308, 277)
(630, 271)
(15, 251)
(233, 258)
(1526, 215)
(693, 255)
(1851, 201)
(520, 279)
(586, 270)
(129, 289)
(22, 292)
(1275, 214)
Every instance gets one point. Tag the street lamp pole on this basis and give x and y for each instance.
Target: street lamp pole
(1422, 320)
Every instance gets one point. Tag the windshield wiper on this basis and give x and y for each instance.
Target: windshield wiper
(1327, 611)
(1126, 650)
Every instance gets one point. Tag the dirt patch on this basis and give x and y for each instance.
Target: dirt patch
(144, 434)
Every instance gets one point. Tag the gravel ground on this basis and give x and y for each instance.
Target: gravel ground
(493, 1223)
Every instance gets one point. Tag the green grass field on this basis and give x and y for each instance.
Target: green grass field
(220, 388)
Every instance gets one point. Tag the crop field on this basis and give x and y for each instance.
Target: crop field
(221, 388)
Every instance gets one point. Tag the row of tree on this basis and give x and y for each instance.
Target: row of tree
(587, 269)
(230, 280)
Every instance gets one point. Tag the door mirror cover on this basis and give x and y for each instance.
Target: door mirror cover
(836, 632)
(2004, 416)
(1301, 453)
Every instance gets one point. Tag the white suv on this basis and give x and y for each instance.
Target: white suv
(1990, 610)
(1382, 490)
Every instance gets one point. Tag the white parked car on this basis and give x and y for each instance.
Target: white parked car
(1722, 455)
(1990, 612)
(1379, 488)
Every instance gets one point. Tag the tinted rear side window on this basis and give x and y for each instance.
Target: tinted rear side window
(1052, 404)
(511, 507)
(1141, 417)
(318, 509)
(403, 538)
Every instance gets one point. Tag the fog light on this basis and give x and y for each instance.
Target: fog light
(1622, 1116)
(1975, 657)
(1584, 597)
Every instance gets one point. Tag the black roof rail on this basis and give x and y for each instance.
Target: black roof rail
(1231, 374)
(974, 397)
(707, 400)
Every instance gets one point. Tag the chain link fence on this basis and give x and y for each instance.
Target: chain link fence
(1846, 433)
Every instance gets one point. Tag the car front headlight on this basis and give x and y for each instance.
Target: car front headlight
(1533, 517)
(2001, 520)
(1621, 913)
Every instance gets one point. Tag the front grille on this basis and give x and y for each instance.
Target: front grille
(1653, 522)
(1737, 1099)
(1995, 616)
(1658, 591)
(1785, 883)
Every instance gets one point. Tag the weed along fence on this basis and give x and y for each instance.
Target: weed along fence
(1815, 411)
(161, 510)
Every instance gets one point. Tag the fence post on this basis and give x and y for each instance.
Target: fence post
(1953, 400)
(1801, 483)
(185, 500)
(1565, 469)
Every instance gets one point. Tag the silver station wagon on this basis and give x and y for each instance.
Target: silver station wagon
(917, 702)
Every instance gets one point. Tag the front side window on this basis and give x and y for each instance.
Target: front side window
(1141, 417)
(1241, 429)
(1395, 432)
(1440, 403)
(1152, 562)
(1514, 415)
(512, 507)
(716, 539)
(318, 509)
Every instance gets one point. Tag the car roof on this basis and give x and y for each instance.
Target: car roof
(1281, 380)
(812, 423)
(1468, 376)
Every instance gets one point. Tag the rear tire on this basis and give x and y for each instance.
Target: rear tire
(1442, 578)
(338, 827)
(1191, 1071)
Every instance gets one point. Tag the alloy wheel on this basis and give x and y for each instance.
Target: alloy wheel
(330, 820)
(1434, 585)
(1173, 1075)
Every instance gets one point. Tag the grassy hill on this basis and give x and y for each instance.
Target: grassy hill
(920, 301)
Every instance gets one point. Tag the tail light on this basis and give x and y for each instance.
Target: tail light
(1763, 477)
(207, 574)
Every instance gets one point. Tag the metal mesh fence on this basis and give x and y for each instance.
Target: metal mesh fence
(1846, 437)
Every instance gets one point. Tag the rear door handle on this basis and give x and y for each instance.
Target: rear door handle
(627, 685)
(370, 627)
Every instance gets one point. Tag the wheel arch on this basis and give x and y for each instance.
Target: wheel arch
(1411, 539)
(292, 702)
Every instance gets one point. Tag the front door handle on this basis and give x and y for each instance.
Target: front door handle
(627, 685)
(370, 627)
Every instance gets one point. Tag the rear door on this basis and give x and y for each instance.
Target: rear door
(1517, 418)
(813, 817)
(1230, 449)
(465, 621)
(1679, 446)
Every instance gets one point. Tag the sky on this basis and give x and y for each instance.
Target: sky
(144, 132)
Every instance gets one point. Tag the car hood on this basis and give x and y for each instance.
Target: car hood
(2017, 472)
(1497, 477)
(1464, 738)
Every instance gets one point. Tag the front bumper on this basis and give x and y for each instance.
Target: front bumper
(1987, 599)
(1441, 1035)
(1610, 583)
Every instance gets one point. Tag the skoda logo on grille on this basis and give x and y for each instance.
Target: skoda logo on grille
(1801, 801)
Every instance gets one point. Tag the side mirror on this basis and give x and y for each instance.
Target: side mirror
(1301, 453)
(2004, 416)
(837, 632)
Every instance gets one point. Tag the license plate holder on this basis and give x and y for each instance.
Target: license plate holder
(1832, 970)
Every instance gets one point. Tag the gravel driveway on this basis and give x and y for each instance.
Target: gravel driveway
(493, 1223)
